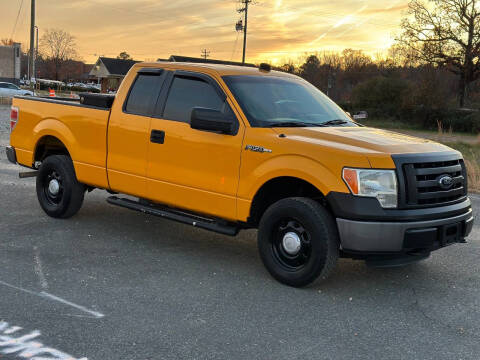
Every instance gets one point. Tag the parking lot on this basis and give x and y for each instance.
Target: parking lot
(114, 284)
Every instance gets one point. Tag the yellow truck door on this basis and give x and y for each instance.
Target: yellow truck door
(188, 168)
(129, 131)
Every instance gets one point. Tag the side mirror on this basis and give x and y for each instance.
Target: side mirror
(211, 120)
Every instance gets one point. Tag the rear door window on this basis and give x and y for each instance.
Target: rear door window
(187, 93)
(144, 94)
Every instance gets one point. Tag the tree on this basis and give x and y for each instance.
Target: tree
(445, 33)
(310, 70)
(58, 46)
(124, 56)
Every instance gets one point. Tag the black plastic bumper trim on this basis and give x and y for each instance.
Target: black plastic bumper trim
(347, 206)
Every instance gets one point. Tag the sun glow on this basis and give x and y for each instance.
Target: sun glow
(278, 30)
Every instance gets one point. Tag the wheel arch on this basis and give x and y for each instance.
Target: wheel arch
(55, 137)
(278, 188)
(49, 145)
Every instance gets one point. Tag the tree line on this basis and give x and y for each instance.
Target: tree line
(430, 75)
(434, 65)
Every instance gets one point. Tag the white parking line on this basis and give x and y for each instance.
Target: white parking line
(39, 269)
(66, 302)
(48, 296)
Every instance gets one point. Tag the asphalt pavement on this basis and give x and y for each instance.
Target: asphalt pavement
(114, 284)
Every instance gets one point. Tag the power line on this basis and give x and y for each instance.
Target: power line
(234, 46)
(16, 20)
(205, 54)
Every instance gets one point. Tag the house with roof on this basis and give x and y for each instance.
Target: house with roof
(110, 72)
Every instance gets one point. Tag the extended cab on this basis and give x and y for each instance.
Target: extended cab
(226, 148)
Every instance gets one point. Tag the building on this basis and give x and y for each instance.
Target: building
(10, 63)
(111, 72)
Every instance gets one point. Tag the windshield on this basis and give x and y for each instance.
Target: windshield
(278, 101)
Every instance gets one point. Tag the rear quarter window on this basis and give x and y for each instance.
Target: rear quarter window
(143, 95)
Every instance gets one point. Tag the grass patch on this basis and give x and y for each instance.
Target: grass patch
(391, 124)
(394, 124)
(471, 154)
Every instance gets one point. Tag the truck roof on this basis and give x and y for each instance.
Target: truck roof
(221, 69)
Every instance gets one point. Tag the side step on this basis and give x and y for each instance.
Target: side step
(176, 215)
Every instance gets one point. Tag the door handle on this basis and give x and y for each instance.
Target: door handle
(157, 136)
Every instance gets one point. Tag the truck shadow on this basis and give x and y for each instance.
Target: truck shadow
(182, 245)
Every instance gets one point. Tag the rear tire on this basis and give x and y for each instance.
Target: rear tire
(59, 193)
(298, 241)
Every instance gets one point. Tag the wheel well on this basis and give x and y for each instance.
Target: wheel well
(49, 145)
(281, 188)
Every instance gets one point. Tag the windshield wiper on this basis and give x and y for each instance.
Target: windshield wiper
(334, 122)
(291, 124)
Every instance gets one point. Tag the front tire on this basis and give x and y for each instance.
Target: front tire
(59, 193)
(298, 241)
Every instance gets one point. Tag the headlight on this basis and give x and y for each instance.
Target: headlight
(380, 184)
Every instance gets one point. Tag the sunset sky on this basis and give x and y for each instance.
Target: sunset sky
(279, 30)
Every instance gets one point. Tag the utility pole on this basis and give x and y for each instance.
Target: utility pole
(32, 44)
(205, 54)
(34, 72)
(244, 9)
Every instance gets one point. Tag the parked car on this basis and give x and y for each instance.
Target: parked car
(10, 90)
(361, 115)
(226, 148)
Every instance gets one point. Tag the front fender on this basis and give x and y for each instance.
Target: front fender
(307, 169)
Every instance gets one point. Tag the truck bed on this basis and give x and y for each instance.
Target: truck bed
(82, 126)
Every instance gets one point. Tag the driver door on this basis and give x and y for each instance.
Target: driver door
(187, 168)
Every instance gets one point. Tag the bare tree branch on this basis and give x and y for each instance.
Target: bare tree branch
(58, 46)
(445, 33)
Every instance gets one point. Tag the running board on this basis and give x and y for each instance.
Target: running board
(176, 215)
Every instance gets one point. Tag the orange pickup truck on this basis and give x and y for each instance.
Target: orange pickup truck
(226, 148)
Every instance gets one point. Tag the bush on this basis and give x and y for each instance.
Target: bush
(463, 121)
(395, 100)
(383, 97)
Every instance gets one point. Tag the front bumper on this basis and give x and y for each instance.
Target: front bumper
(403, 237)
(11, 154)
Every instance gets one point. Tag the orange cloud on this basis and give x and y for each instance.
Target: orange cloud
(149, 29)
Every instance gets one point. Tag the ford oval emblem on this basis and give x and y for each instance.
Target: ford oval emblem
(445, 182)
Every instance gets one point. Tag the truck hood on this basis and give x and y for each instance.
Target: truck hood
(363, 139)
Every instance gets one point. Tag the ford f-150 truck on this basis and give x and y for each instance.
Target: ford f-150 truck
(226, 148)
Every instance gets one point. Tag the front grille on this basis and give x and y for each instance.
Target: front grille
(419, 178)
(423, 182)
